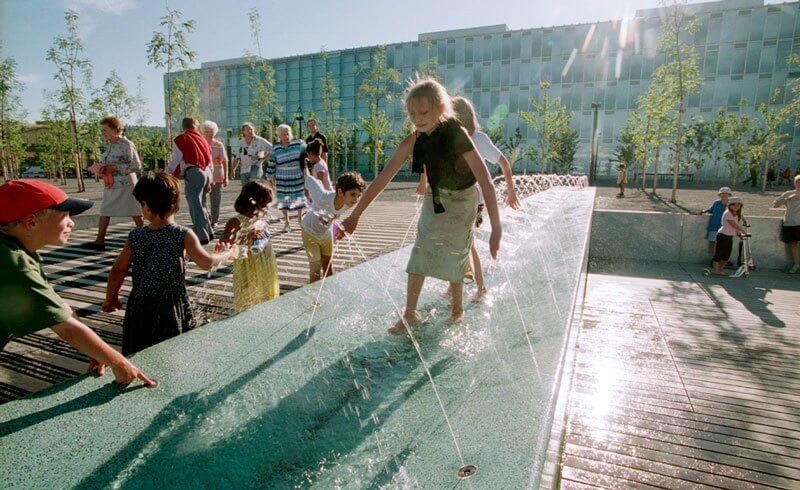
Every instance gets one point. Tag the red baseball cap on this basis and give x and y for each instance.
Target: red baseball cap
(23, 197)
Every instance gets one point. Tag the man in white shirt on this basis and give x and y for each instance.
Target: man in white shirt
(253, 152)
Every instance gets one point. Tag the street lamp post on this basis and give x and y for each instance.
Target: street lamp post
(593, 163)
(299, 118)
(229, 133)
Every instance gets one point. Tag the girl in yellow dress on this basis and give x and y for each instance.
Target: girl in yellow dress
(255, 271)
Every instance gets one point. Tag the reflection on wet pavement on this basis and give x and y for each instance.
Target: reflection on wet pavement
(682, 381)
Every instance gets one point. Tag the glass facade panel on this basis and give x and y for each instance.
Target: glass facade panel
(743, 53)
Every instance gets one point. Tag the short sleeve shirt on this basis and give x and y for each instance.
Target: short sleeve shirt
(319, 136)
(717, 209)
(249, 152)
(487, 150)
(441, 155)
(27, 301)
(792, 217)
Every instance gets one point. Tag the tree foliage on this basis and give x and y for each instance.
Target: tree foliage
(169, 49)
(679, 77)
(548, 120)
(377, 90)
(263, 108)
(66, 54)
(12, 148)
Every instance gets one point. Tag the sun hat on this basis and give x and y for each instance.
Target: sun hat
(724, 190)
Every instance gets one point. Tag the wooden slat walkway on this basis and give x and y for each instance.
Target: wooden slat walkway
(682, 381)
(38, 361)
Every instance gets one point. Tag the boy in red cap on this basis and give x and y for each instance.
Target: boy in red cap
(34, 214)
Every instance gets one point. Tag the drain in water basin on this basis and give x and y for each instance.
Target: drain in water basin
(466, 471)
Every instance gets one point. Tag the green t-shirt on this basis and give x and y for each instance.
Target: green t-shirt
(27, 301)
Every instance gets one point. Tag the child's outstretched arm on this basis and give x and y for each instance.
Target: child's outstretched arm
(512, 200)
(203, 259)
(83, 338)
(381, 181)
(116, 277)
(481, 174)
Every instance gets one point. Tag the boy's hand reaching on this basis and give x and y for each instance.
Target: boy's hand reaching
(127, 373)
(348, 226)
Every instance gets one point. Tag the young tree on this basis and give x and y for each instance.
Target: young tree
(430, 68)
(770, 140)
(735, 132)
(66, 53)
(260, 80)
(680, 76)
(116, 99)
(54, 144)
(658, 122)
(11, 113)
(625, 152)
(185, 94)
(548, 119)
(334, 123)
(169, 49)
(377, 90)
(700, 142)
(565, 146)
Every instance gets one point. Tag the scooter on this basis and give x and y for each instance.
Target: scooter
(745, 257)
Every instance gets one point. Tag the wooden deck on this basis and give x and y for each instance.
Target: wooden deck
(682, 381)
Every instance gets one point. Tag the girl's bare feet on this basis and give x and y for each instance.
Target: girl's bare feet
(457, 316)
(479, 294)
(400, 327)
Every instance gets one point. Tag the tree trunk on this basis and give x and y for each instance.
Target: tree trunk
(679, 137)
(375, 162)
(655, 170)
(764, 177)
(77, 153)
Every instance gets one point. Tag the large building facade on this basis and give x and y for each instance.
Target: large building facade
(743, 46)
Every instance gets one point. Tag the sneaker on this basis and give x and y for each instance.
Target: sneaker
(287, 227)
(794, 269)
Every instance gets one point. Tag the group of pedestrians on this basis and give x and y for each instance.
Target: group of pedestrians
(158, 306)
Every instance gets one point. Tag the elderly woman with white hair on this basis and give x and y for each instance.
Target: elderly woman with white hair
(285, 169)
(219, 167)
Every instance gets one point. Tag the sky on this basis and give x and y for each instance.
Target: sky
(115, 32)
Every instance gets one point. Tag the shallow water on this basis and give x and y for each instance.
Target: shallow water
(268, 399)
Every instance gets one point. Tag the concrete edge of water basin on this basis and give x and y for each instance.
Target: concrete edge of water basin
(550, 473)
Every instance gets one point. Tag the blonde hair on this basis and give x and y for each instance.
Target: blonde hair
(424, 88)
(465, 113)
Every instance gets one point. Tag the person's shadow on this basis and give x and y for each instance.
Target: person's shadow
(278, 445)
(95, 398)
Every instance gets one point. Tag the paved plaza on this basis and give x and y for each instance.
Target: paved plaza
(683, 381)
